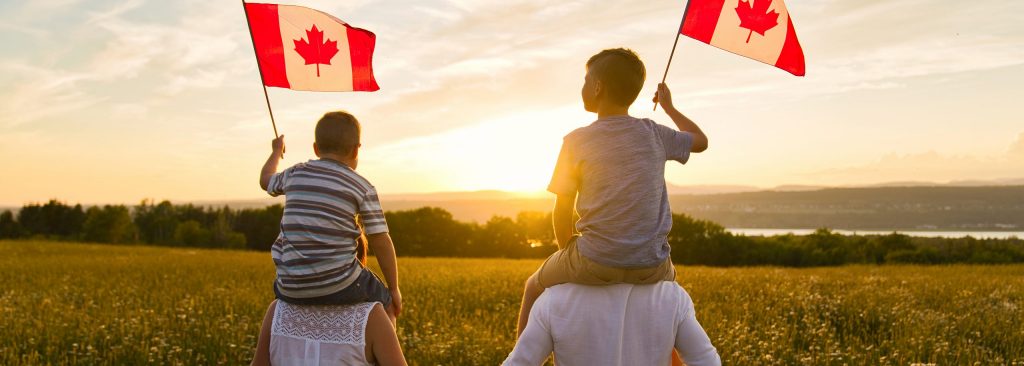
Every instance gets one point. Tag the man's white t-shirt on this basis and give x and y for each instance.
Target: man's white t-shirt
(613, 325)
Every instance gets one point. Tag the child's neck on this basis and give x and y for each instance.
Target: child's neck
(344, 160)
(606, 111)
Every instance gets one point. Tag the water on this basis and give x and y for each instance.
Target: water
(935, 234)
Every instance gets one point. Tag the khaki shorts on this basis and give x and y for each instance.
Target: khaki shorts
(569, 266)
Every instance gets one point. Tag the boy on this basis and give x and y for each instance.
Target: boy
(613, 173)
(316, 252)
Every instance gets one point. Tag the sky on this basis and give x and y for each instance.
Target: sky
(117, 101)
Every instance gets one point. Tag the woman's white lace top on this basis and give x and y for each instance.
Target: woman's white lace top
(319, 335)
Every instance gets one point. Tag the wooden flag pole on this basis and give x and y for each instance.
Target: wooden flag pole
(262, 82)
(674, 44)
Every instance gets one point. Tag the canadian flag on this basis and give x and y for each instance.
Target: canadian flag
(304, 49)
(758, 29)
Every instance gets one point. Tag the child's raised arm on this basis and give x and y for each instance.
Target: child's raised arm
(664, 97)
(270, 167)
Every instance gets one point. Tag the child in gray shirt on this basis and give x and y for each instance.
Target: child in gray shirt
(612, 173)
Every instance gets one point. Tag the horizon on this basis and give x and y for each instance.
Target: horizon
(498, 195)
(109, 102)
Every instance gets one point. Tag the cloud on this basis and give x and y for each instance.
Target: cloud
(1017, 149)
(30, 31)
(47, 93)
(199, 49)
(479, 60)
(114, 12)
(186, 46)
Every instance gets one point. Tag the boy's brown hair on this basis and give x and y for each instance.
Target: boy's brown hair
(338, 133)
(621, 72)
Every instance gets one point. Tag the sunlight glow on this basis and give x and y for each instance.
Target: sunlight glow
(513, 153)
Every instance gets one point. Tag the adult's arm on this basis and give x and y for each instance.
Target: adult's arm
(535, 344)
(382, 341)
(262, 357)
(692, 342)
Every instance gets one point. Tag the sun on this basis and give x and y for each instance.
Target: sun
(514, 153)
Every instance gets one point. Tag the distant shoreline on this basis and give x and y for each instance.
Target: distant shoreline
(948, 234)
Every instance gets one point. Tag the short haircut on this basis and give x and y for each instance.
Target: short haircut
(621, 72)
(338, 133)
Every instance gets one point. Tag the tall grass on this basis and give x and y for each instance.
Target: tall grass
(95, 304)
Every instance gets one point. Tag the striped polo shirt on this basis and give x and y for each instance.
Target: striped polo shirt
(315, 254)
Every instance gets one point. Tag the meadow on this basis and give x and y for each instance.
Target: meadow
(72, 303)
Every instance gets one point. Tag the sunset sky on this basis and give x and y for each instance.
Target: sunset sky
(116, 101)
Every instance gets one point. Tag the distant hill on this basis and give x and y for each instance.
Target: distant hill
(960, 206)
(881, 208)
(709, 189)
(923, 206)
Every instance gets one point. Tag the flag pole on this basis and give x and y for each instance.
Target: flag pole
(262, 82)
(679, 31)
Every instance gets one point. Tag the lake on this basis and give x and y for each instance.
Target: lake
(921, 233)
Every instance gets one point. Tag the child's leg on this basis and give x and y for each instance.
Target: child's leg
(531, 292)
(377, 291)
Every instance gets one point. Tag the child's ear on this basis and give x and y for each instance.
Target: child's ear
(355, 151)
(316, 150)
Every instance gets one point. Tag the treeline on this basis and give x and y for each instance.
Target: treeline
(433, 232)
(147, 223)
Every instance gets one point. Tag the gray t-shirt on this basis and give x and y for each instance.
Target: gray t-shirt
(617, 167)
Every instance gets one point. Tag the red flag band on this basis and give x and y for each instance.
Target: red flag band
(758, 29)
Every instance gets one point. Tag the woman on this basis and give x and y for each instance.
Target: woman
(358, 334)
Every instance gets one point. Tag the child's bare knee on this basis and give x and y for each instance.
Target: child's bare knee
(533, 286)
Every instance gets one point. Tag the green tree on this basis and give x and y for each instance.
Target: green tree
(53, 219)
(260, 226)
(504, 238)
(156, 223)
(221, 233)
(9, 228)
(429, 231)
(191, 233)
(537, 227)
(108, 224)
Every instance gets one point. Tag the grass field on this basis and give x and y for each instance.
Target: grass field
(64, 303)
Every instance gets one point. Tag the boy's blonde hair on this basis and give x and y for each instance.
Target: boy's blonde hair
(621, 71)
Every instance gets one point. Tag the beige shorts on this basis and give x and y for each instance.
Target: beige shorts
(569, 266)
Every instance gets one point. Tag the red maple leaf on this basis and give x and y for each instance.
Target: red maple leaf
(316, 51)
(754, 15)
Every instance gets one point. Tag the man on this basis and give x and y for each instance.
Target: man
(621, 324)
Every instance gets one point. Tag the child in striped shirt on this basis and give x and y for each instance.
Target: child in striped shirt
(328, 208)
